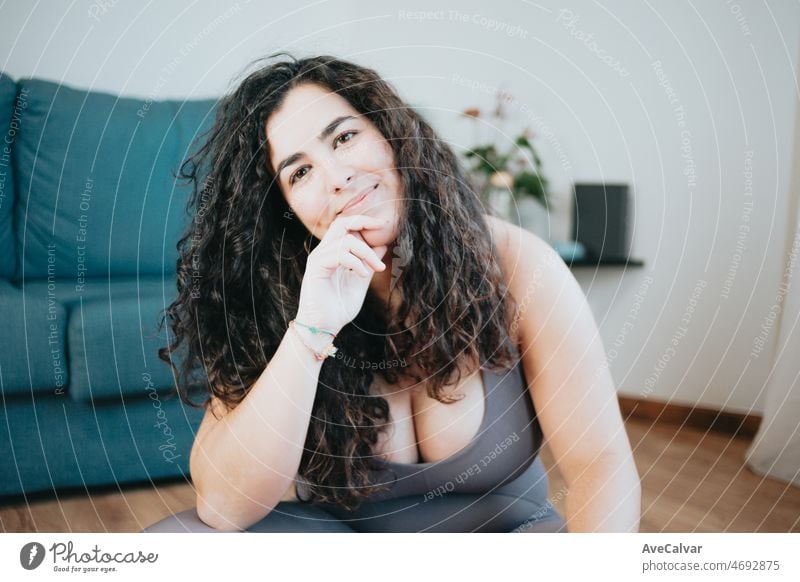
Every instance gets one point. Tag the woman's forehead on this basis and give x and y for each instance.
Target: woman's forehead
(304, 113)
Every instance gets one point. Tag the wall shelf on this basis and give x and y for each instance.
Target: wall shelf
(604, 263)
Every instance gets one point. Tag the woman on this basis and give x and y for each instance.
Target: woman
(367, 332)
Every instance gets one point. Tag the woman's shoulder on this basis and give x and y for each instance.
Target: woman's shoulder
(531, 266)
(505, 232)
(518, 249)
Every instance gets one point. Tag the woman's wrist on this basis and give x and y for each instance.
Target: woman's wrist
(316, 340)
(316, 330)
(303, 344)
(316, 325)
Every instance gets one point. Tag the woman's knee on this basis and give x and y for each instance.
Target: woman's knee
(547, 520)
(293, 516)
(286, 517)
(183, 522)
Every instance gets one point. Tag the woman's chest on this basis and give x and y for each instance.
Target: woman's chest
(421, 429)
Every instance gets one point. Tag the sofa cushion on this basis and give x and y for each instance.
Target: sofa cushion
(97, 196)
(114, 349)
(69, 294)
(33, 355)
(9, 123)
(112, 335)
(53, 444)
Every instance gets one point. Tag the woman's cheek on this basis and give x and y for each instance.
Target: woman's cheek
(382, 155)
(316, 216)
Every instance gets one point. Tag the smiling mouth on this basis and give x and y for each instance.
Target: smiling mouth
(358, 200)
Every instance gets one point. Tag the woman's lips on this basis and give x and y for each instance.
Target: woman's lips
(359, 202)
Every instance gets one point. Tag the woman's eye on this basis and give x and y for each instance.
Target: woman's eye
(298, 174)
(340, 138)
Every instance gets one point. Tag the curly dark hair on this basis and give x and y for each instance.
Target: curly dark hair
(241, 264)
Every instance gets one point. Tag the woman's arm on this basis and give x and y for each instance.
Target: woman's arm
(570, 384)
(243, 461)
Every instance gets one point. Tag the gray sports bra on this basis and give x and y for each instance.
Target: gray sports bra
(507, 443)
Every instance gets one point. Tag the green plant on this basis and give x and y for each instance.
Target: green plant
(518, 168)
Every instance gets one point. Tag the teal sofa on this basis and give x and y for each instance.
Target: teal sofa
(90, 214)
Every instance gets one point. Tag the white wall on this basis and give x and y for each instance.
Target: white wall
(729, 65)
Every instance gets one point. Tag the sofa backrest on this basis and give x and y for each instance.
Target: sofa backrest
(96, 189)
(8, 130)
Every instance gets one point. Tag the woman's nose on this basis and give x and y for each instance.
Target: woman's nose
(340, 178)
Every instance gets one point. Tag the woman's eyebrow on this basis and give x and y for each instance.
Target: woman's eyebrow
(329, 129)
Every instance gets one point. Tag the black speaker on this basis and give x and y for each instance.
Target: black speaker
(600, 220)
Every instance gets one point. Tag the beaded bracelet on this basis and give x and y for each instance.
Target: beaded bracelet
(327, 352)
(314, 330)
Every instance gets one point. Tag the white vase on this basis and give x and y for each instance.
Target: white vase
(532, 215)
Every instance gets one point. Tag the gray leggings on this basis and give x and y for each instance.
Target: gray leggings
(520, 506)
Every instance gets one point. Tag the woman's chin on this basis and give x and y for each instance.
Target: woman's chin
(378, 237)
(385, 235)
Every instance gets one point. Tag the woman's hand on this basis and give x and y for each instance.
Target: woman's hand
(338, 273)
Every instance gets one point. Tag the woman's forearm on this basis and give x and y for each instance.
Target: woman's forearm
(248, 460)
(605, 497)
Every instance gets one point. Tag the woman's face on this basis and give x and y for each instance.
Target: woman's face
(326, 156)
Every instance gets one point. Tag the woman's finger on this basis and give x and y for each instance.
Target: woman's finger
(354, 264)
(344, 224)
(361, 249)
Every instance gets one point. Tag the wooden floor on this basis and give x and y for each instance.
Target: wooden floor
(691, 482)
